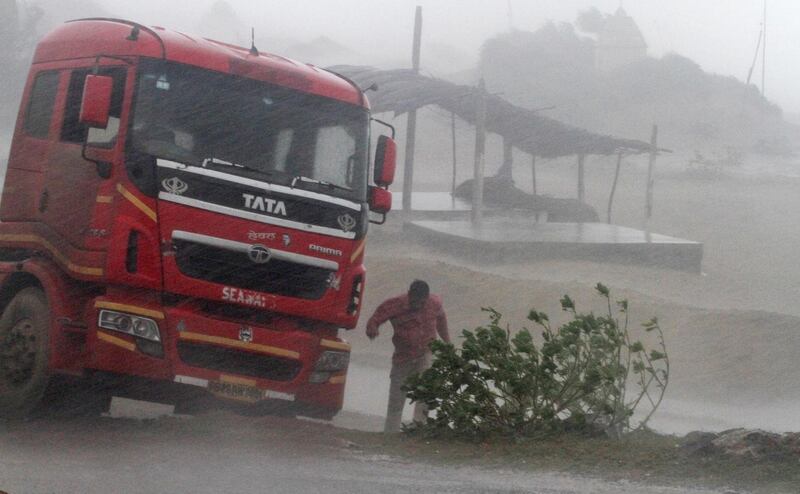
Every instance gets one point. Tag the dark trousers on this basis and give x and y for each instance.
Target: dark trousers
(397, 398)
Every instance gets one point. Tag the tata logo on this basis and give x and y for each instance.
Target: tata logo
(258, 203)
(346, 222)
(259, 254)
(174, 185)
(246, 334)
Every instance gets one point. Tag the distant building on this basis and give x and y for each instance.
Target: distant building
(619, 42)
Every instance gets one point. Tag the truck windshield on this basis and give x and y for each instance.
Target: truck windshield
(251, 128)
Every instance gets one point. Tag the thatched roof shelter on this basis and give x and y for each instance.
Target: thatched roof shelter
(402, 90)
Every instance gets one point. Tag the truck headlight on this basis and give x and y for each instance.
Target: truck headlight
(330, 361)
(140, 327)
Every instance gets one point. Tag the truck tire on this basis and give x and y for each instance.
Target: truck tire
(24, 353)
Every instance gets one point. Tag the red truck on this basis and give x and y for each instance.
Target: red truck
(182, 214)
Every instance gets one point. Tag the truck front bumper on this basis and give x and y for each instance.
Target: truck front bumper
(234, 361)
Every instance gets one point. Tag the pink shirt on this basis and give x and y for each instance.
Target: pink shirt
(413, 330)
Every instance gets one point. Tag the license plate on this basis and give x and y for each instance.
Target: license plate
(235, 391)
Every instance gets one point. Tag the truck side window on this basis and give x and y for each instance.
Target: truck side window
(73, 130)
(40, 105)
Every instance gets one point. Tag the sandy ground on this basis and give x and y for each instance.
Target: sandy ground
(729, 368)
(733, 331)
(223, 453)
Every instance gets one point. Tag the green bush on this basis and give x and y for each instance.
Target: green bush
(586, 375)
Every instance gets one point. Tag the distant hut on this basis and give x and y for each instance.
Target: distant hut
(619, 42)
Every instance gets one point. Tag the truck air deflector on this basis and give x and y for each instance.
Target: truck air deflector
(258, 201)
(266, 186)
(242, 247)
(269, 220)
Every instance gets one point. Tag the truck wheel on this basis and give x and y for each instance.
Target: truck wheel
(24, 339)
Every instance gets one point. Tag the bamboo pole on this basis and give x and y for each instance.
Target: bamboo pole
(648, 211)
(581, 186)
(455, 161)
(507, 169)
(613, 187)
(480, 155)
(411, 124)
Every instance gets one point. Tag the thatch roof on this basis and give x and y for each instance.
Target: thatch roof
(402, 90)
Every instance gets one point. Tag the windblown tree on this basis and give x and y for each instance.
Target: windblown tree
(221, 22)
(554, 68)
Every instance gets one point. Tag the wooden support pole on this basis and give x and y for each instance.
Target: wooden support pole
(764, 53)
(613, 187)
(581, 186)
(408, 166)
(480, 155)
(411, 125)
(533, 172)
(648, 208)
(455, 160)
(507, 168)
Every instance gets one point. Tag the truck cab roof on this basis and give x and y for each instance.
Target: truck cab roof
(99, 37)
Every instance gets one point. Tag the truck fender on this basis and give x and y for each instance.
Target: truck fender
(63, 298)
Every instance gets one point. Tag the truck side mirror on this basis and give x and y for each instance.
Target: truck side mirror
(385, 161)
(380, 200)
(96, 101)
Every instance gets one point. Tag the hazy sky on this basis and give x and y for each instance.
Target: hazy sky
(720, 35)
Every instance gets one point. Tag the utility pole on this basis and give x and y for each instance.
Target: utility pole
(411, 125)
(764, 53)
(480, 155)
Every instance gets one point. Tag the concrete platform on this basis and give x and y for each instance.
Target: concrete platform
(443, 206)
(502, 239)
(431, 206)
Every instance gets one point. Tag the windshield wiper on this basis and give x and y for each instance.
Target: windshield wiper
(324, 183)
(217, 161)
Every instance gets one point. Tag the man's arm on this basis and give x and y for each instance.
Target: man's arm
(383, 313)
(441, 325)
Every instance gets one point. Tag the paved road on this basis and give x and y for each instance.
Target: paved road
(223, 453)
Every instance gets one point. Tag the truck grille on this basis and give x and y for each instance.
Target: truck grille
(235, 269)
(238, 362)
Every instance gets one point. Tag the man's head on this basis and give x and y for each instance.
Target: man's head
(418, 294)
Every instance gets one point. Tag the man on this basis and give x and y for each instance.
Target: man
(417, 317)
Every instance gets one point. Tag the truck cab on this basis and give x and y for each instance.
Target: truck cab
(188, 213)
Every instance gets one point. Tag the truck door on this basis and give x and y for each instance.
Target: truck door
(73, 204)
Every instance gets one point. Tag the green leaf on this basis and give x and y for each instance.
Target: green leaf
(651, 324)
(636, 346)
(502, 381)
(537, 317)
